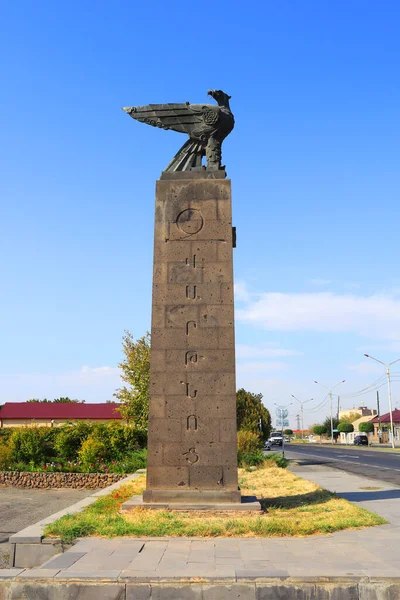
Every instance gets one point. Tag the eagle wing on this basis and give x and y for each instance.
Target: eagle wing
(193, 119)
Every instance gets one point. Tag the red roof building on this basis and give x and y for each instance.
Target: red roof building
(386, 418)
(47, 414)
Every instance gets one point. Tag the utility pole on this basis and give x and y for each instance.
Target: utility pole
(298, 422)
(302, 414)
(338, 407)
(331, 401)
(387, 368)
(379, 416)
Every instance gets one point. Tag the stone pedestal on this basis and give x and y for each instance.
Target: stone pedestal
(192, 447)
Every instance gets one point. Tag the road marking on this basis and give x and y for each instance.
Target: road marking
(348, 456)
(349, 462)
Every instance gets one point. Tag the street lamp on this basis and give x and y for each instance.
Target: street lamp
(281, 408)
(302, 415)
(387, 367)
(330, 396)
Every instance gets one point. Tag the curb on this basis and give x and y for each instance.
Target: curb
(28, 548)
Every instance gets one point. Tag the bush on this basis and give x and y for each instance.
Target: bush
(346, 428)
(69, 439)
(248, 442)
(92, 451)
(28, 445)
(5, 456)
(280, 460)
(366, 427)
(319, 429)
(250, 459)
(288, 432)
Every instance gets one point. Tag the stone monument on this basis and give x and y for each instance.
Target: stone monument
(192, 453)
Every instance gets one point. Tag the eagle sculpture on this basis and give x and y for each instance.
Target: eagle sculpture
(207, 126)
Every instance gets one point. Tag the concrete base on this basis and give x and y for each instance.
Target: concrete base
(192, 496)
(246, 504)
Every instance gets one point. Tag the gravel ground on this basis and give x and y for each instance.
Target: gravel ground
(20, 508)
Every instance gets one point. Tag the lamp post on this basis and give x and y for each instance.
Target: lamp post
(387, 367)
(302, 415)
(281, 408)
(330, 397)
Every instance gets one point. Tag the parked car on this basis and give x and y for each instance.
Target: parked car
(360, 440)
(276, 439)
(287, 440)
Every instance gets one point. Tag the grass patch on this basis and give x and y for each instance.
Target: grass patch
(291, 507)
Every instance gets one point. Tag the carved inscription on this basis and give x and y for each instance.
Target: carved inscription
(191, 262)
(189, 325)
(188, 394)
(190, 221)
(191, 292)
(192, 423)
(191, 357)
(191, 456)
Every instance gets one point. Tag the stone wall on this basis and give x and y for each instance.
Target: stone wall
(58, 480)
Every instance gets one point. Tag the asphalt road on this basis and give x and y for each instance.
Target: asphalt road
(20, 508)
(374, 464)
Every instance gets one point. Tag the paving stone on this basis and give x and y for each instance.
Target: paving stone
(10, 573)
(63, 561)
(38, 573)
(260, 573)
(103, 574)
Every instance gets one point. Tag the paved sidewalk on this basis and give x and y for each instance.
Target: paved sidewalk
(372, 552)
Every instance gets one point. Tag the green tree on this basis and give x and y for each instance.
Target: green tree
(319, 430)
(249, 411)
(288, 432)
(67, 400)
(366, 427)
(350, 418)
(345, 428)
(327, 425)
(134, 396)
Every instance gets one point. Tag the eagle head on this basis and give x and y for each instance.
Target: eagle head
(219, 96)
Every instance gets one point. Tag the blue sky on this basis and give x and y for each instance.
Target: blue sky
(314, 162)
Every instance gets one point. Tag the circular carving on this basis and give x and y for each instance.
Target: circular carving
(190, 221)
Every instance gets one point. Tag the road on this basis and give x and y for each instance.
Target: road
(20, 508)
(376, 464)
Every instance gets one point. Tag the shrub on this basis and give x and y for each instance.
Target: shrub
(288, 432)
(366, 427)
(248, 442)
(319, 429)
(5, 456)
(250, 459)
(280, 460)
(346, 428)
(28, 445)
(92, 451)
(69, 439)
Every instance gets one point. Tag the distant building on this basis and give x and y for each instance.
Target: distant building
(363, 411)
(382, 426)
(49, 414)
(349, 438)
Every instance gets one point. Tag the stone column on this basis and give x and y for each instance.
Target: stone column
(192, 426)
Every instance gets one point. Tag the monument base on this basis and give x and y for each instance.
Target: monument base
(194, 501)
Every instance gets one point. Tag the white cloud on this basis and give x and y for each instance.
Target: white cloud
(376, 316)
(99, 371)
(241, 292)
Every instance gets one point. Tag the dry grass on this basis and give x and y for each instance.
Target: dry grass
(291, 507)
